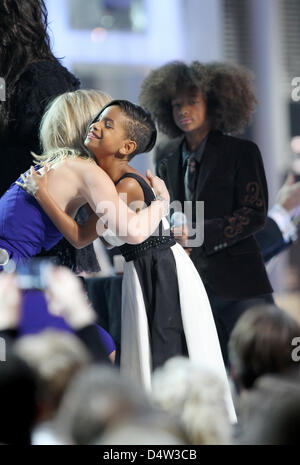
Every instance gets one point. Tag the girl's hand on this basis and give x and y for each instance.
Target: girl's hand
(158, 186)
(181, 234)
(34, 182)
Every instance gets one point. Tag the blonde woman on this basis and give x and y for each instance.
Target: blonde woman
(73, 179)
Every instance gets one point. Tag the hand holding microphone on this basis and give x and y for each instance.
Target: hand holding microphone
(179, 227)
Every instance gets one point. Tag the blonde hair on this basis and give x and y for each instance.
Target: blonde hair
(64, 125)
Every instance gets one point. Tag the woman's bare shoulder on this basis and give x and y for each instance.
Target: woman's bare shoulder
(89, 174)
(84, 168)
(78, 163)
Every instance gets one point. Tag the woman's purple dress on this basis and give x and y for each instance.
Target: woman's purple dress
(25, 229)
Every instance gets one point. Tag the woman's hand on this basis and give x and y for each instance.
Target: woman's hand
(158, 186)
(34, 182)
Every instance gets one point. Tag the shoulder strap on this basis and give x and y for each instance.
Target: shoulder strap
(148, 193)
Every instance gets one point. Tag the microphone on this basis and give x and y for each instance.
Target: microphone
(178, 219)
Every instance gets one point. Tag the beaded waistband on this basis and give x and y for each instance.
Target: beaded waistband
(132, 252)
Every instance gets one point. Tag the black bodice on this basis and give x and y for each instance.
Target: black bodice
(162, 238)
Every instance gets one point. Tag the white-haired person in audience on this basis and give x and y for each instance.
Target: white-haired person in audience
(100, 402)
(197, 397)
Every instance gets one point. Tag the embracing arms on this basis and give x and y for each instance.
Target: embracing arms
(99, 191)
(79, 236)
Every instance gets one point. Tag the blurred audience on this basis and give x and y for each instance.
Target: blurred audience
(100, 402)
(196, 397)
(261, 343)
(272, 411)
(66, 299)
(260, 348)
(51, 393)
(141, 433)
(280, 229)
(18, 402)
(55, 356)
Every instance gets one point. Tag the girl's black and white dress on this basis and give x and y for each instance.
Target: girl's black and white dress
(165, 308)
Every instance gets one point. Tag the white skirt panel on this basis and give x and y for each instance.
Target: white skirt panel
(198, 324)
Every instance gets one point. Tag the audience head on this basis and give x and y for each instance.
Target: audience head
(271, 411)
(226, 90)
(149, 431)
(98, 399)
(261, 343)
(197, 397)
(55, 356)
(18, 407)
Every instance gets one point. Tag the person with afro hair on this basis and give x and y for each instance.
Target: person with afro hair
(198, 107)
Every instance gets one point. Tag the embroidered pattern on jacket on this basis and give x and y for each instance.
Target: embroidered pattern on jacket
(237, 223)
(241, 219)
(253, 194)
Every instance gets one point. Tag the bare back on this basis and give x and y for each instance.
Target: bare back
(73, 182)
(65, 183)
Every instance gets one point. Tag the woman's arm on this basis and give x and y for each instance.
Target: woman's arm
(100, 193)
(79, 236)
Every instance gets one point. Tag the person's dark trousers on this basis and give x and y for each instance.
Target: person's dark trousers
(227, 312)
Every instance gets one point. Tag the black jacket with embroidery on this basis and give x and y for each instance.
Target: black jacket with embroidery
(232, 183)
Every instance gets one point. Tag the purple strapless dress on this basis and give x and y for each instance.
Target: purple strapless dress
(25, 229)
